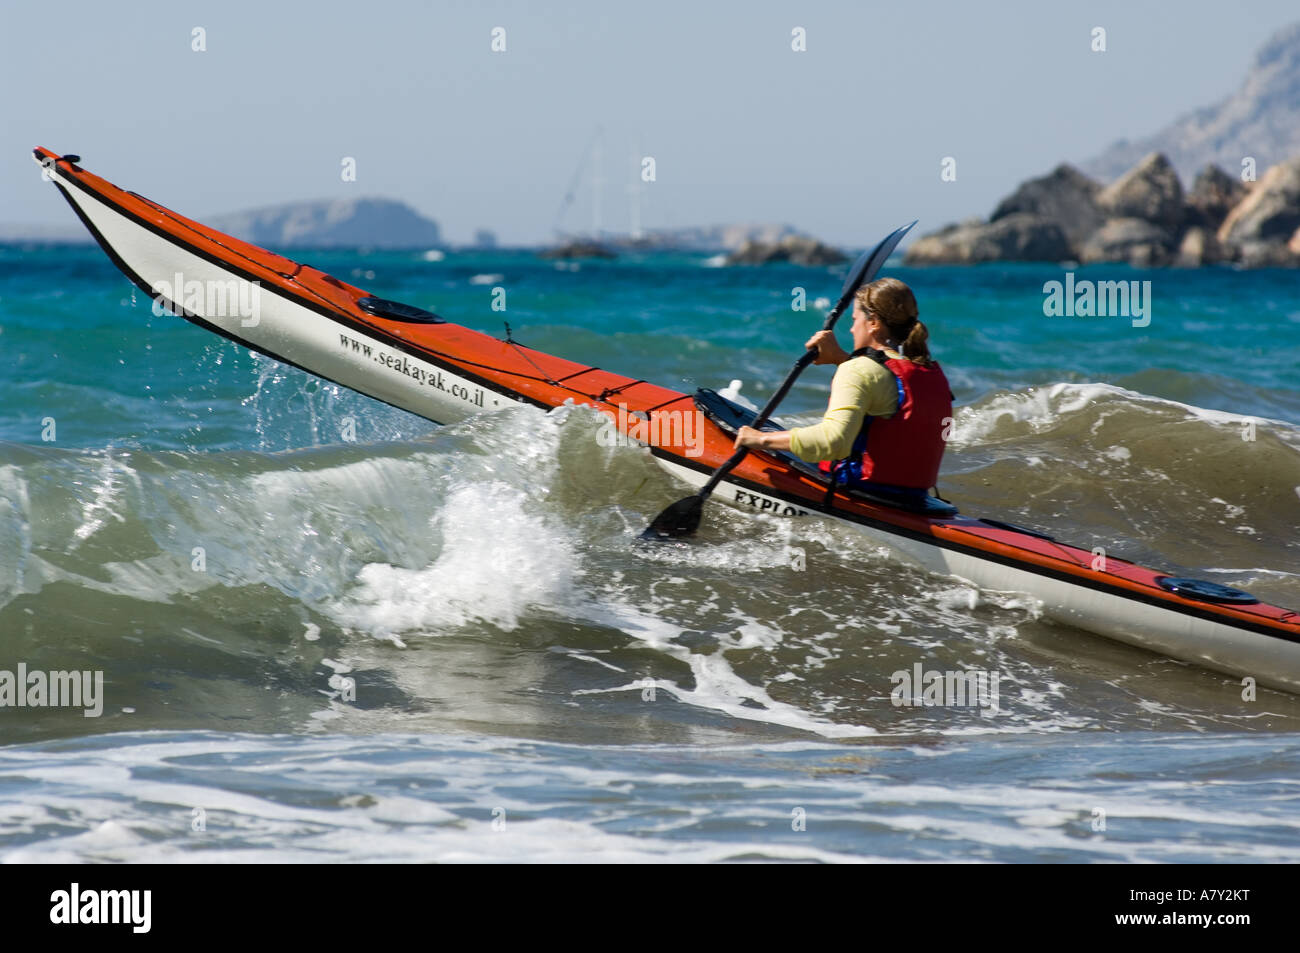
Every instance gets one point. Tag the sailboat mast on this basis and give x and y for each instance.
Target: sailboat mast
(634, 194)
(596, 183)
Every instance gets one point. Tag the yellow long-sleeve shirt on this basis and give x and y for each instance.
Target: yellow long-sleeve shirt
(860, 387)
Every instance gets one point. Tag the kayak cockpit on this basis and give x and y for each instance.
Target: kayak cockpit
(731, 416)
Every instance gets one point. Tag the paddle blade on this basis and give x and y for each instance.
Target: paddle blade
(680, 519)
(872, 260)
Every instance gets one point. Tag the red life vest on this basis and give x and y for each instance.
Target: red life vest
(903, 450)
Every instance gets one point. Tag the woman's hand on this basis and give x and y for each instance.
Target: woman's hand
(752, 439)
(828, 349)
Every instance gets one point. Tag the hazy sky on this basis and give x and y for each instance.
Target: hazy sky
(844, 140)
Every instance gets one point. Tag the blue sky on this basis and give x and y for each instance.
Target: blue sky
(844, 140)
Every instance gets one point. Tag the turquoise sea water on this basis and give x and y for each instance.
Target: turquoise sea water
(475, 584)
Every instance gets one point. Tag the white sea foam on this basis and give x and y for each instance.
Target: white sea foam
(497, 560)
(717, 685)
(106, 496)
(15, 534)
(222, 798)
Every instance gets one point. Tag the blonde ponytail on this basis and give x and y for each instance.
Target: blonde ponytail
(894, 304)
(917, 346)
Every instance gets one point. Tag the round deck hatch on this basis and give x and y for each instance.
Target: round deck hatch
(1206, 591)
(396, 311)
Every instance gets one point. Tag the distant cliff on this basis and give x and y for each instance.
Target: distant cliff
(337, 223)
(1261, 120)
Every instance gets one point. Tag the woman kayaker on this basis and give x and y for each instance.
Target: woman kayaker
(863, 431)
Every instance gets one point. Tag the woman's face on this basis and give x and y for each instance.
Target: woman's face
(866, 327)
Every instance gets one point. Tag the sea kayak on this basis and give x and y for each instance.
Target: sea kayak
(415, 360)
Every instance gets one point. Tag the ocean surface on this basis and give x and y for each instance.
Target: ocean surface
(438, 643)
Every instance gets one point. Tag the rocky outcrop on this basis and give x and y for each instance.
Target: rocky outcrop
(1134, 240)
(1065, 197)
(1143, 218)
(578, 248)
(1264, 255)
(1198, 247)
(797, 249)
(1213, 195)
(1150, 191)
(336, 223)
(1270, 212)
(1019, 236)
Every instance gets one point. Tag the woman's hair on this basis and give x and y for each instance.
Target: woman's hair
(894, 304)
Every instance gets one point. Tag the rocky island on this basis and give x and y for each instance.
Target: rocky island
(577, 248)
(796, 249)
(334, 223)
(1144, 218)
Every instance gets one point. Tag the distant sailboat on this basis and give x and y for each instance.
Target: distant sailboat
(571, 245)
